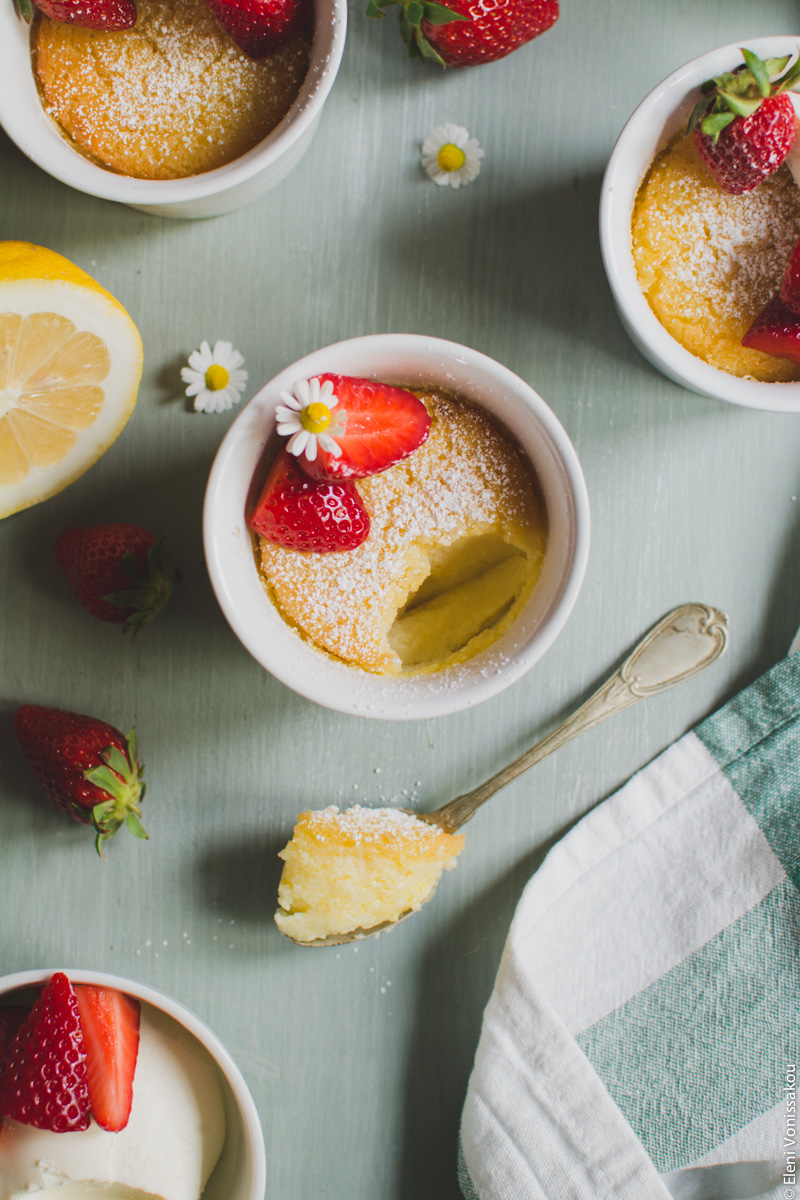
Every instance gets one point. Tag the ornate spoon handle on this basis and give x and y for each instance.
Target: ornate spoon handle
(684, 642)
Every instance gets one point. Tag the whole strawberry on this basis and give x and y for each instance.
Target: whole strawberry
(303, 514)
(43, 1076)
(93, 14)
(467, 32)
(744, 124)
(259, 27)
(118, 572)
(89, 770)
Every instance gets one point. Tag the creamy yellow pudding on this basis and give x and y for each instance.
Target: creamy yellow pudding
(355, 870)
(708, 262)
(171, 97)
(455, 548)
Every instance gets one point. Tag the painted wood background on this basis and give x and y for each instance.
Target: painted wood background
(359, 1058)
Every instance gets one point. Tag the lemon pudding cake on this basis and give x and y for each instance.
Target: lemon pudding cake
(708, 261)
(173, 96)
(359, 869)
(456, 541)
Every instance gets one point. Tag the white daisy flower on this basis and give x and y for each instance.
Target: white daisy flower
(450, 156)
(214, 377)
(306, 418)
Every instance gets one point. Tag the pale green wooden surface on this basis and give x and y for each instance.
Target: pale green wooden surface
(358, 1058)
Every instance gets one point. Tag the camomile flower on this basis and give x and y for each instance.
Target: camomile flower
(214, 377)
(450, 156)
(307, 419)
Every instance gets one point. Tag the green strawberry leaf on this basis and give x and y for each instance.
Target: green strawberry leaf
(426, 49)
(414, 13)
(439, 14)
(113, 757)
(740, 105)
(134, 826)
(24, 10)
(775, 65)
(109, 782)
(713, 126)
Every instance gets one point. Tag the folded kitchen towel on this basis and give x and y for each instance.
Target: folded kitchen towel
(645, 1015)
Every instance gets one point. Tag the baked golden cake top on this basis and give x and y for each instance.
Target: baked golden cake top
(172, 97)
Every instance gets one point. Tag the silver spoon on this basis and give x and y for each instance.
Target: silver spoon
(683, 643)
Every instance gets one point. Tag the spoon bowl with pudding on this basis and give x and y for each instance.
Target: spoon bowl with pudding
(352, 875)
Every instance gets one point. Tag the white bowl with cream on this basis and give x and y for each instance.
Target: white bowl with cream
(661, 115)
(191, 1099)
(205, 195)
(414, 361)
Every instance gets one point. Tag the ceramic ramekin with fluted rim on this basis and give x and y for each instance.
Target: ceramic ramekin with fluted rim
(662, 114)
(241, 1171)
(206, 195)
(415, 361)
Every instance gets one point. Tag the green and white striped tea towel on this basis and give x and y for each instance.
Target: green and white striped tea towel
(645, 1015)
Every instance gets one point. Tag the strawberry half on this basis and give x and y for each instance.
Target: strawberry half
(259, 27)
(110, 1024)
(43, 1075)
(775, 331)
(89, 770)
(93, 14)
(790, 284)
(382, 425)
(744, 124)
(118, 572)
(468, 32)
(302, 514)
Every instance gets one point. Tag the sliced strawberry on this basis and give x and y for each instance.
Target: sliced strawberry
(302, 514)
(93, 14)
(43, 1075)
(110, 1024)
(790, 286)
(775, 331)
(259, 27)
(382, 425)
(10, 1021)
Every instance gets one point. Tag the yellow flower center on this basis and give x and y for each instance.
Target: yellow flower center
(316, 417)
(216, 378)
(450, 158)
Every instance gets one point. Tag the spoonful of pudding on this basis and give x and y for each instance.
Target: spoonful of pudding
(353, 874)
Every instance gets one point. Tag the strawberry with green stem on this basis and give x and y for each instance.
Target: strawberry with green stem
(118, 572)
(88, 769)
(468, 32)
(744, 123)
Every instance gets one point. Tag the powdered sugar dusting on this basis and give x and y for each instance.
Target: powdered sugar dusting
(391, 828)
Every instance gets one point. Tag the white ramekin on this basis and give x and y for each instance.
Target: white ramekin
(206, 195)
(241, 1171)
(415, 361)
(659, 117)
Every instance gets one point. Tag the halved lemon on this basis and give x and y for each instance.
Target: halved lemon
(70, 365)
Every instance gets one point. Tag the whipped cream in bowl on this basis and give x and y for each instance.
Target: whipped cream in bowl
(193, 1129)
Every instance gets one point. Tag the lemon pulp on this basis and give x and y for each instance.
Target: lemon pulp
(70, 363)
